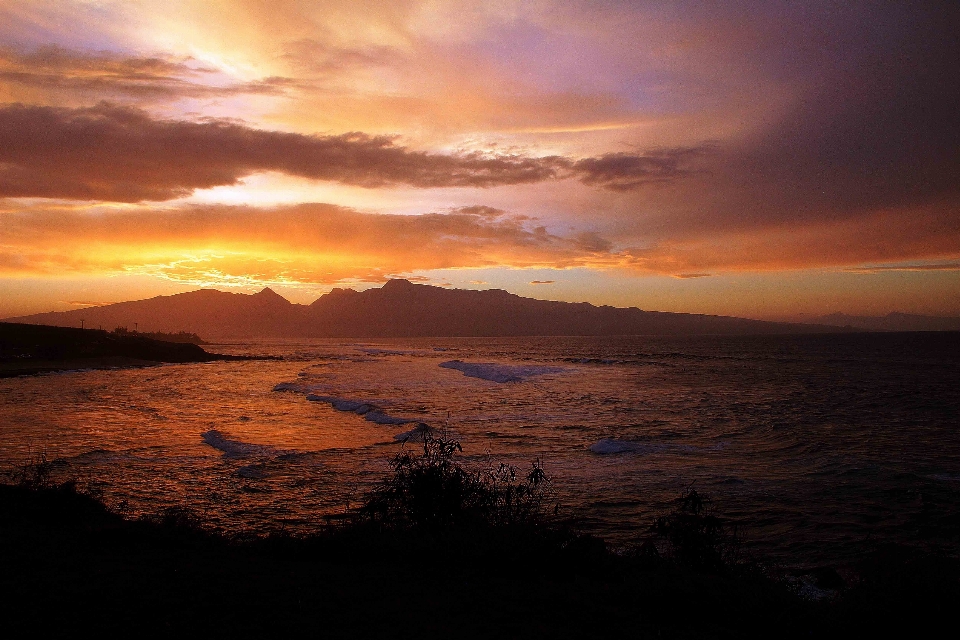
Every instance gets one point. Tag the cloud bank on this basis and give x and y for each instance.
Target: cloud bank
(122, 154)
(310, 243)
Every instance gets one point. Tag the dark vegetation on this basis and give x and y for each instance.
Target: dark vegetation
(430, 492)
(697, 538)
(437, 550)
(28, 349)
(184, 337)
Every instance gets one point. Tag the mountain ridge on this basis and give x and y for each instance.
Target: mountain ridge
(893, 321)
(399, 308)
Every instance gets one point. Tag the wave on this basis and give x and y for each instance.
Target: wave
(597, 361)
(235, 448)
(946, 477)
(252, 472)
(414, 435)
(295, 387)
(501, 373)
(368, 410)
(379, 417)
(609, 446)
(389, 352)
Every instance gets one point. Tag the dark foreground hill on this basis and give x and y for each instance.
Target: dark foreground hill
(425, 566)
(399, 309)
(28, 349)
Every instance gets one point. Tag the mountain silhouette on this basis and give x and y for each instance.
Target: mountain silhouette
(892, 322)
(397, 309)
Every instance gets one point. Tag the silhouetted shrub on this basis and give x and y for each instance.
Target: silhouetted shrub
(34, 474)
(432, 490)
(698, 538)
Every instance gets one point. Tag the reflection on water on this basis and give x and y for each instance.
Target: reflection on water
(813, 443)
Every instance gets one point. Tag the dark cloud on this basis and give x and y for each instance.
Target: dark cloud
(899, 236)
(856, 161)
(874, 123)
(592, 242)
(100, 75)
(115, 153)
(626, 172)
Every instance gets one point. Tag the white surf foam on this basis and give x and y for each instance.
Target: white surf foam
(501, 373)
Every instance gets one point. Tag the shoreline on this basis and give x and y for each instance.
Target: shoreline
(38, 349)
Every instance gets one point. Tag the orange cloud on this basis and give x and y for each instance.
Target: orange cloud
(941, 266)
(924, 233)
(324, 244)
(58, 73)
(301, 244)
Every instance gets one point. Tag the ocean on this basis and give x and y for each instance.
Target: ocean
(816, 447)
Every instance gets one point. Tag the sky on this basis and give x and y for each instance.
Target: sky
(761, 159)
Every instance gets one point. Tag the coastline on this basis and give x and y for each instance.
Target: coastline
(38, 349)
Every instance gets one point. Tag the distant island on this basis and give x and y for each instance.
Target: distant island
(400, 309)
(27, 349)
(891, 322)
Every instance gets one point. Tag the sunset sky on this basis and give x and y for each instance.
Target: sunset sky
(756, 159)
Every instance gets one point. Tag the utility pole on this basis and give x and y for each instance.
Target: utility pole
(81, 323)
(135, 325)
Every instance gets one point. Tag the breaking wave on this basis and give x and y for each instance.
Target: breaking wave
(369, 411)
(414, 435)
(235, 448)
(500, 372)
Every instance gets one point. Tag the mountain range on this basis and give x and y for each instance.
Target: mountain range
(891, 322)
(397, 309)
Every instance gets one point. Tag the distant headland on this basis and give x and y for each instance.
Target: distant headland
(27, 349)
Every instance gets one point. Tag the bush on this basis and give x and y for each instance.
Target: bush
(698, 538)
(432, 491)
(34, 474)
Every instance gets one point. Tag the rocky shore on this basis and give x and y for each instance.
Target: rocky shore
(27, 349)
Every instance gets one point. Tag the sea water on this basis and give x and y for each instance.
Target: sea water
(814, 446)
